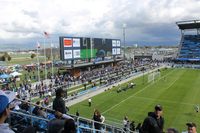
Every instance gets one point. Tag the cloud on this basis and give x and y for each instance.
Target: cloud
(150, 22)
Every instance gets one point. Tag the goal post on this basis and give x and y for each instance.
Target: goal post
(152, 76)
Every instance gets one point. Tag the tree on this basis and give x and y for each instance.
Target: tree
(33, 56)
(9, 58)
(6, 56)
(3, 58)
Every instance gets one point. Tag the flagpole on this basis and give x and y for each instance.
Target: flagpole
(52, 59)
(38, 64)
(45, 59)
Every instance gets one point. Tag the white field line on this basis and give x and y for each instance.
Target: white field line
(167, 101)
(135, 93)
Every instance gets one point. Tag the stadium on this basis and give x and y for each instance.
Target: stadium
(95, 87)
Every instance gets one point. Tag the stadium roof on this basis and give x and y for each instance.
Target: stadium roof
(191, 24)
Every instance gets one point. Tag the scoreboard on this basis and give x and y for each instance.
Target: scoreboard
(72, 48)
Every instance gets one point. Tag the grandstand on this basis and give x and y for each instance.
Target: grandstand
(189, 49)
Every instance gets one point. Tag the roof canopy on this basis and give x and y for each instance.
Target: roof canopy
(192, 24)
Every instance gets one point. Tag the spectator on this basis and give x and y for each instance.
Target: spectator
(99, 119)
(69, 126)
(38, 110)
(56, 125)
(191, 127)
(77, 113)
(154, 123)
(59, 103)
(24, 105)
(138, 127)
(125, 123)
(5, 99)
(132, 126)
(172, 130)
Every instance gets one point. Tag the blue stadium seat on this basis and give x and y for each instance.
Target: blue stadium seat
(190, 48)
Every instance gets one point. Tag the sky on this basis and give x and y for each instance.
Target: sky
(148, 22)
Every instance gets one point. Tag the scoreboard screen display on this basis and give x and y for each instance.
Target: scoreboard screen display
(86, 48)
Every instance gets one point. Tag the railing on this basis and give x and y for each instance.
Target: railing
(83, 124)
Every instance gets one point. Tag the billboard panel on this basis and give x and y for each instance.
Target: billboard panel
(118, 43)
(118, 51)
(114, 43)
(114, 51)
(76, 42)
(77, 53)
(67, 54)
(67, 42)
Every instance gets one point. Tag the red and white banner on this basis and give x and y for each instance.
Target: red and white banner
(67, 42)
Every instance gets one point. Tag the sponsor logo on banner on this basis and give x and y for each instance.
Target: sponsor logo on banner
(118, 44)
(118, 51)
(114, 51)
(67, 42)
(76, 53)
(76, 42)
(114, 43)
(67, 54)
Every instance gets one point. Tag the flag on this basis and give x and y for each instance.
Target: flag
(38, 45)
(46, 34)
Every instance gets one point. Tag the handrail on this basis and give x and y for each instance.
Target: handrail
(34, 104)
(29, 115)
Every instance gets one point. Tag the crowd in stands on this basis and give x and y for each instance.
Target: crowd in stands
(58, 116)
(106, 75)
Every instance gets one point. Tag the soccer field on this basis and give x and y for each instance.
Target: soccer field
(177, 90)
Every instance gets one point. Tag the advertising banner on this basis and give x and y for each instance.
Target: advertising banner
(67, 42)
(118, 44)
(118, 51)
(114, 51)
(76, 42)
(67, 54)
(77, 53)
(114, 43)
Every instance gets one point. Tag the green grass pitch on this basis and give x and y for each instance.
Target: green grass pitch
(177, 90)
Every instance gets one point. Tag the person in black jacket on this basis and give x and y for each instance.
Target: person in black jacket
(154, 122)
(59, 103)
(98, 118)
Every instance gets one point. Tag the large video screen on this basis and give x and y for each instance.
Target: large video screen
(87, 48)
